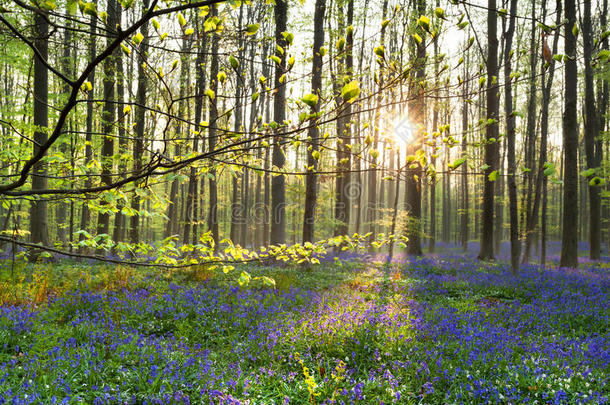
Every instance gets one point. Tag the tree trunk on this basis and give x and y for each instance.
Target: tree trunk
(417, 106)
(569, 237)
(510, 142)
(593, 148)
(465, 206)
(140, 116)
(212, 134)
(108, 117)
(39, 231)
(85, 214)
(278, 192)
(311, 184)
(491, 135)
(542, 160)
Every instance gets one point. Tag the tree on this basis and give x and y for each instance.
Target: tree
(108, 117)
(491, 134)
(140, 115)
(311, 183)
(569, 235)
(278, 191)
(593, 147)
(38, 213)
(413, 174)
(515, 245)
(212, 135)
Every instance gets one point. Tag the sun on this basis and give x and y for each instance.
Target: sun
(404, 130)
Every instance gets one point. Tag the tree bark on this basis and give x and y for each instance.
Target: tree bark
(278, 192)
(39, 231)
(140, 116)
(569, 237)
(510, 142)
(491, 134)
(311, 183)
(593, 148)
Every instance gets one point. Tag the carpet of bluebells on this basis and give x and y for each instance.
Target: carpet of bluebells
(434, 330)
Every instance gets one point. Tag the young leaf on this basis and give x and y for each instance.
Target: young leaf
(350, 91)
(424, 22)
(310, 99)
(233, 62)
(181, 20)
(252, 29)
(457, 163)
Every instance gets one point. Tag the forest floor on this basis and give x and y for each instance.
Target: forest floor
(434, 330)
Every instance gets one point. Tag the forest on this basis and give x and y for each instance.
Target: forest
(304, 202)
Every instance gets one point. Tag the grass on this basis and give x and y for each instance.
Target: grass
(434, 330)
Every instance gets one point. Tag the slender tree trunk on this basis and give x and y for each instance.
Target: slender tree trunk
(140, 116)
(542, 160)
(417, 106)
(491, 134)
(465, 205)
(39, 231)
(592, 133)
(569, 238)
(278, 193)
(108, 117)
(237, 208)
(119, 218)
(510, 142)
(62, 207)
(212, 134)
(85, 214)
(311, 184)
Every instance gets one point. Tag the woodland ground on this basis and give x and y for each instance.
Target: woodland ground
(442, 329)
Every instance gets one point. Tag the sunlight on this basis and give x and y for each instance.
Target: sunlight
(404, 130)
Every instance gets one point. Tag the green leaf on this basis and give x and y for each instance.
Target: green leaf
(440, 13)
(244, 278)
(210, 93)
(379, 51)
(88, 9)
(350, 91)
(424, 22)
(597, 181)
(252, 29)
(255, 96)
(588, 173)
(310, 99)
(457, 163)
(289, 37)
(181, 20)
(137, 39)
(233, 62)
(71, 6)
(493, 176)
